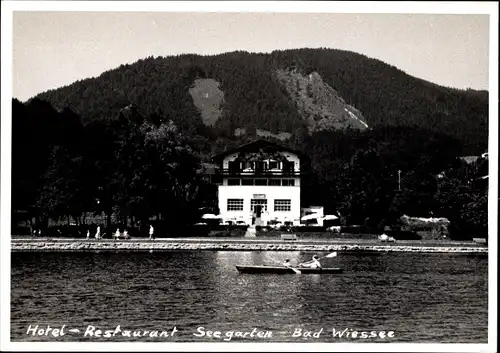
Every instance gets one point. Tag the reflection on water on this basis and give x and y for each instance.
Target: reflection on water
(271, 258)
(423, 298)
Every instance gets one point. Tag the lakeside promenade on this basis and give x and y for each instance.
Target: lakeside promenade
(31, 244)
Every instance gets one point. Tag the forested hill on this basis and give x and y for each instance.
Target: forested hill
(253, 95)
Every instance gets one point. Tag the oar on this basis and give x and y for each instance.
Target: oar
(296, 271)
(332, 254)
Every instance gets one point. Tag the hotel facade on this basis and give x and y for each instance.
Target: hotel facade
(260, 184)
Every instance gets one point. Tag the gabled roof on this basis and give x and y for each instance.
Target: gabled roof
(257, 145)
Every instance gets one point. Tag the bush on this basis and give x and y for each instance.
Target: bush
(404, 235)
(308, 229)
(359, 229)
(456, 232)
(227, 233)
(20, 230)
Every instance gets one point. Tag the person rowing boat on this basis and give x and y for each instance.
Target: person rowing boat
(287, 264)
(314, 263)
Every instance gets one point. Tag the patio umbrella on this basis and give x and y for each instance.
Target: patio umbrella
(210, 216)
(310, 216)
(329, 217)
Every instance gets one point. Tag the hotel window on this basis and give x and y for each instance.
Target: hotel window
(273, 165)
(274, 182)
(282, 205)
(233, 167)
(246, 181)
(261, 182)
(288, 167)
(259, 167)
(260, 202)
(235, 204)
(288, 182)
(233, 182)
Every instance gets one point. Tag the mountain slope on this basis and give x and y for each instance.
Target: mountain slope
(318, 103)
(208, 98)
(255, 98)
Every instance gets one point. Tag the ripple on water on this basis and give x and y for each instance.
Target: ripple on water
(423, 298)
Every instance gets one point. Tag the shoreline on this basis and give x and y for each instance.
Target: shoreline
(173, 244)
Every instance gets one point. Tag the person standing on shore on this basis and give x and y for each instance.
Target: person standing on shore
(88, 234)
(98, 233)
(383, 237)
(151, 232)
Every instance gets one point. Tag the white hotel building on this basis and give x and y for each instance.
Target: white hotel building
(260, 184)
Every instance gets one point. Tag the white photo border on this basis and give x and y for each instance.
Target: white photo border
(8, 7)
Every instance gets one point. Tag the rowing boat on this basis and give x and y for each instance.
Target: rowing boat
(284, 270)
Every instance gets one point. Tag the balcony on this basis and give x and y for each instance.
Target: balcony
(257, 172)
(259, 169)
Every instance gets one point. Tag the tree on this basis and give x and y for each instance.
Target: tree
(173, 182)
(63, 194)
(474, 216)
(417, 195)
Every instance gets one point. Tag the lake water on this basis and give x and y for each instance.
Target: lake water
(438, 298)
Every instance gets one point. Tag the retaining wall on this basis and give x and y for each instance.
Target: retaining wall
(81, 246)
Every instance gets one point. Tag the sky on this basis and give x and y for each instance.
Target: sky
(54, 49)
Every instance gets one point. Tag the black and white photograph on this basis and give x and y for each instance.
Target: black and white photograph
(249, 176)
